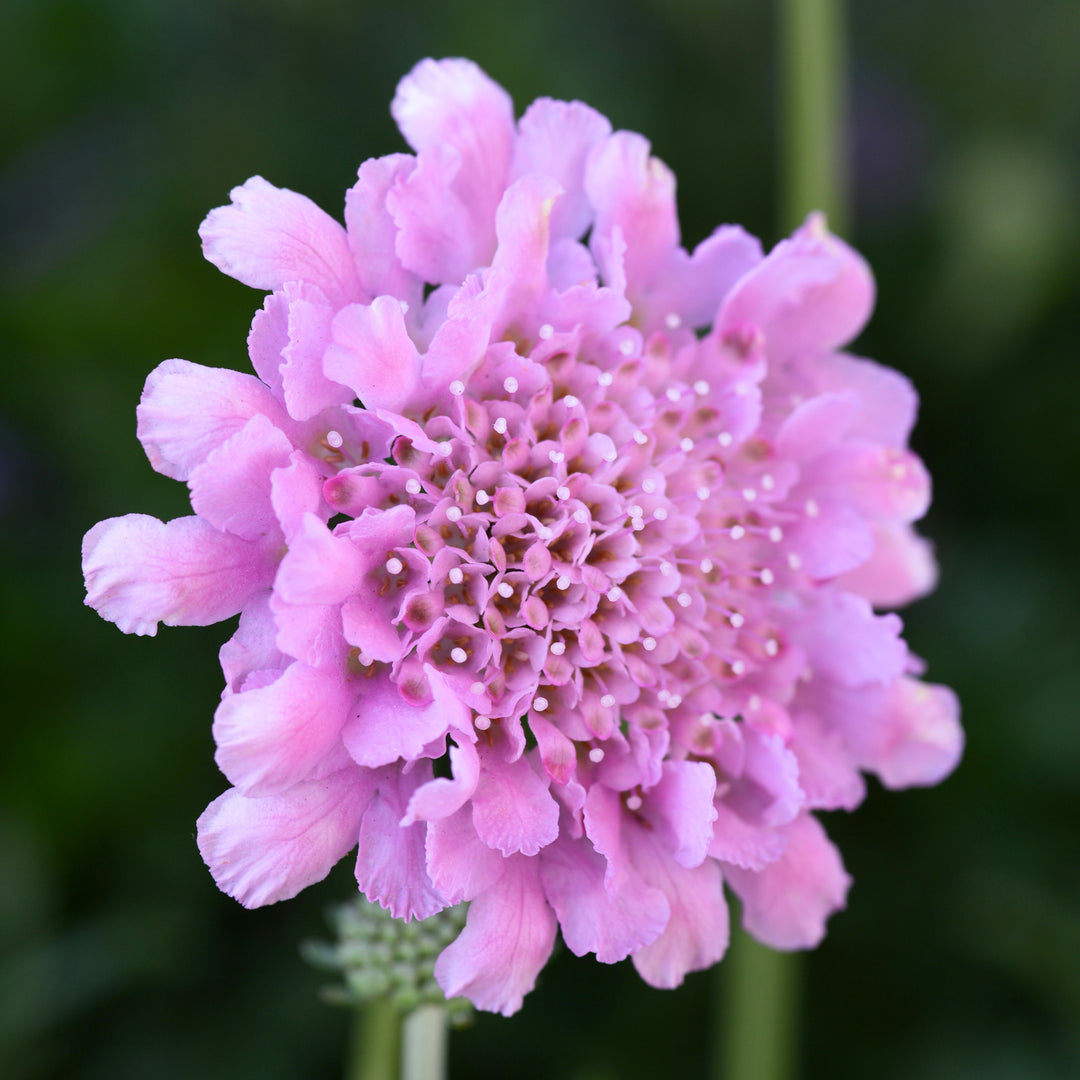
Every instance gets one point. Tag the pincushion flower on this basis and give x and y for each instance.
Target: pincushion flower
(556, 550)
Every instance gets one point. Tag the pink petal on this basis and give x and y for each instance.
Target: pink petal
(373, 355)
(306, 389)
(683, 802)
(507, 939)
(743, 843)
(319, 567)
(254, 646)
(887, 400)
(188, 410)
(785, 905)
(444, 796)
(512, 808)
(264, 850)
(900, 569)
(609, 922)
(273, 737)
(270, 235)
(460, 864)
(231, 488)
(390, 860)
(140, 571)
(296, 490)
(268, 336)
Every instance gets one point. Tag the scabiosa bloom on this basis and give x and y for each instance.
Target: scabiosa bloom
(555, 547)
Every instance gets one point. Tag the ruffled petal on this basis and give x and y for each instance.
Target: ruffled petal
(512, 808)
(901, 567)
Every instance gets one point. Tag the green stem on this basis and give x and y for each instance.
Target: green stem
(423, 1049)
(813, 106)
(759, 1019)
(376, 1042)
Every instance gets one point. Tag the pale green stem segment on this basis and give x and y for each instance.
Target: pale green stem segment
(375, 1050)
(812, 114)
(423, 1049)
(759, 1004)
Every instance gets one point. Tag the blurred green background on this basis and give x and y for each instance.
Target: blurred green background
(125, 121)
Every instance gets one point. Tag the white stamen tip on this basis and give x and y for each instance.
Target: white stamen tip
(776, 534)
(607, 700)
(724, 438)
(510, 384)
(706, 566)
(737, 532)
(563, 583)
(767, 482)
(557, 648)
(703, 493)
(456, 575)
(500, 425)
(672, 321)
(453, 513)
(571, 401)
(684, 599)
(596, 755)
(648, 485)
(412, 486)
(633, 802)
(736, 619)
(660, 513)
(556, 456)
(772, 647)
(738, 668)
(767, 577)
(404, 306)
(477, 688)
(648, 644)
(634, 510)
(794, 561)
(666, 568)
(640, 438)
(482, 498)
(686, 445)
(672, 394)
(812, 508)
(581, 515)
(626, 347)
(334, 439)
(459, 655)
(546, 331)
(562, 493)
(394, 565)
(749, 494)
(443, 449)
(754, 703)
(610, 454)
(605, 378)
(701, 388)
(674, 701)
(637, 524)
(614, 594)
(457, 388)
(505, 590)
(540, 703)
(482, 723)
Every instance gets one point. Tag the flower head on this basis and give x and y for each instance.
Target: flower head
(555, 557)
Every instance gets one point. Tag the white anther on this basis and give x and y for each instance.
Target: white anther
(540, 704)
(443, 449)
(767, 577)
(571, 401)
(794, 561)
(660, 513)
(557, 648)
(672, 393)
(736, 619)
(648, 485)
(413, 486)
(607, 700)
(543, 532)
(666, 568)
(767, 482)
(648, 644)
(684, 599)
(394, 565)
(500, 425)
(634, 510)
(738, 668)
(562, 493)
(363, 659)
(453, 513)
(701, 388)
(637, 524)
(772, 646)
(686, 445)
(482, 498)
(563, 583)
(674, 701)
(633, 802)
(556, 456)
(477, 688)
(596, 755)
(703, 493)
(404, 304)
(334, 439)
(581, 515)
(749, 494)
(456, 575)
(706, 566)
(459, 655)
(610, 454)
(546, 331)
(737, 532)
(754, 703)
(663, 697)
(510, 384)
(724, 438)
(605, 378)
(626, 347)
(505, 590)
(640, 438)
(457, 388)
(812, 508)
(614, 594)
(672, 321)
(776, 534)
(482, 723)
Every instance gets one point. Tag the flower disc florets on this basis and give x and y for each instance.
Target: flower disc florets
(555, 559)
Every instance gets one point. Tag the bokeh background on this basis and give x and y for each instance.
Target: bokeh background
(124, 121)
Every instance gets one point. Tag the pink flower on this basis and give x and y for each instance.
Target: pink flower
(555, 558)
